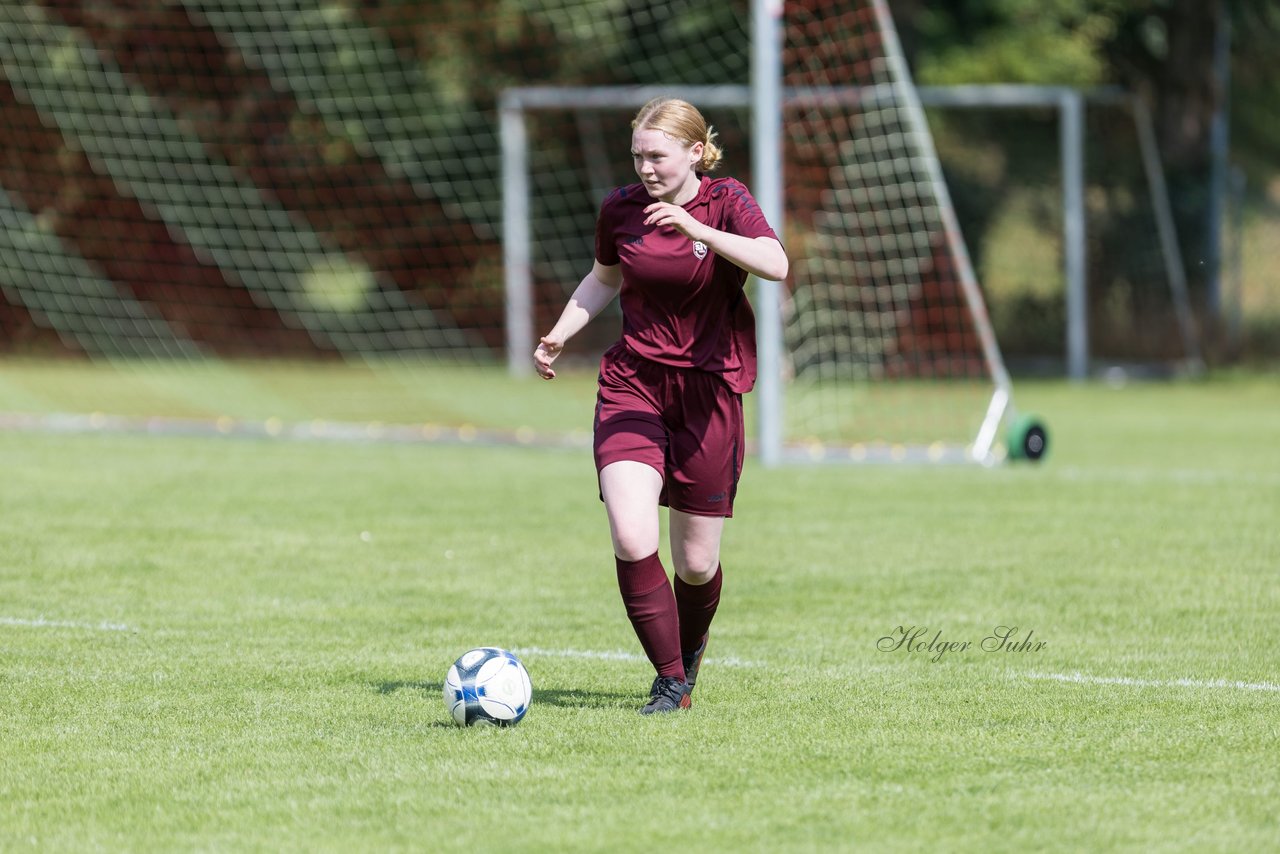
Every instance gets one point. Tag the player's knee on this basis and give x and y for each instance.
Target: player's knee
(633, 543)
(696, 565)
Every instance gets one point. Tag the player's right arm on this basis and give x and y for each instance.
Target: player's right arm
(596, 290)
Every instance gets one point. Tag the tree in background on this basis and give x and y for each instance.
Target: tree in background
(1165, 51)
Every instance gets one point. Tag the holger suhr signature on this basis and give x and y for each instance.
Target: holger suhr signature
(917, 639)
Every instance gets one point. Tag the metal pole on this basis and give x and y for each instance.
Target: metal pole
(766, 171)
(1234, 271)
(518, 279)
(1071, 130)
(1170, 249)
(1220, 146)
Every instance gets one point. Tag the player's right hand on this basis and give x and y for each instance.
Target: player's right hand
(544, 355)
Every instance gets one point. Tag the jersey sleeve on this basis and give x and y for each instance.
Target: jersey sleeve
(606, 245)
(744, 216)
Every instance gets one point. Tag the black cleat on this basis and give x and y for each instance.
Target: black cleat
(667, 694)
(692, 661)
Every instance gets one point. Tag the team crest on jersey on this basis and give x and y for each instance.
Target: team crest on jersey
(699, 249)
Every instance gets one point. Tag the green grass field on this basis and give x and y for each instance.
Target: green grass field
(213, 643)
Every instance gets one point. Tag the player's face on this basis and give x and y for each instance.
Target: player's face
(665, 165)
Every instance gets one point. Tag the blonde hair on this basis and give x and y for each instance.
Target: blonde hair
(681, 121)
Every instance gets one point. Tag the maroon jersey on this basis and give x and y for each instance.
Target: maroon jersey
(681, 304)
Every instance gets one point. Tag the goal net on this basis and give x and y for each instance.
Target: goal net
(206, 179)
(891, 351)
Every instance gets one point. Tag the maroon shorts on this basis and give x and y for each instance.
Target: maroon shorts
(684, 422)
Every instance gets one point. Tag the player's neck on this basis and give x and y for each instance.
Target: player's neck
(688, 190)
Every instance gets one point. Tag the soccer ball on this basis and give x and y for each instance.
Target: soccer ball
(487, 686)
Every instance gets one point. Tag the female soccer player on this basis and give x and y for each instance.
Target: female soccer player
(668, 423)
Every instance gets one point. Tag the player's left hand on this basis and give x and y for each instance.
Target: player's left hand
(667, 215)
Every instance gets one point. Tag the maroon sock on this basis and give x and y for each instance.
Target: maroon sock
(652, 608)
(696, 605)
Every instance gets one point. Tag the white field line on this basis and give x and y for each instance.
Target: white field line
(733, 661)
(1077, 678)
(42, 623)
(1084, 679)
(618, 655)
(276, 428)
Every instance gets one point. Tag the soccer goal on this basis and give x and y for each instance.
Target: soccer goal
(383, 184)
(888, 351)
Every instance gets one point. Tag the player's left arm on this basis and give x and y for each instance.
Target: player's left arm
(759, 256)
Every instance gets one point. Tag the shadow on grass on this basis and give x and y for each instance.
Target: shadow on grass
(577, 698)
(567, 698)
(436, 688)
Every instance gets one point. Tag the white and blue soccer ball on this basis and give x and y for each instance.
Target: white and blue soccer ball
(487, 686)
